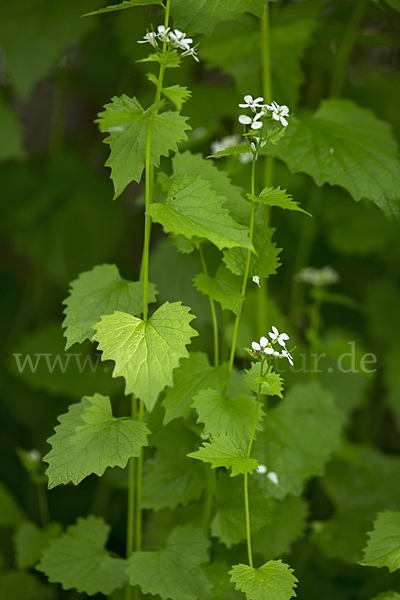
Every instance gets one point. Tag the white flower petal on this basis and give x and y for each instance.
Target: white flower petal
(272, 476)
(244, 119)
(261, 469)
(256, 346)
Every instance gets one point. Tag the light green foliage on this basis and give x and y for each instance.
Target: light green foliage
(383, 546)
(277, 197)
(30, 54)
(193, 209)
(11, 134)
(194, 374)
(89, 439)
(271, 383)
(30, 541)
(24, 586)
(230, 415)
(288, 522)
(99, 292)
(265, 262)
(122, 5)
(170, 479)
(341, 133)
(186, 163)
(178, 94)
(272, 581)
(226, 451)
(343, 536)
(174, 572)
(137, 346)
(127, 123)
(388, 595)
(299, 437)
(10, 513)
(79, 560)
(224, 287)
(201, 16)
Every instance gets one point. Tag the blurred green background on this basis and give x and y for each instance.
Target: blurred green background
(57, 70)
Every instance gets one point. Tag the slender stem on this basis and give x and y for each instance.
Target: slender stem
(246, 483)
(130, 526)
(139, 474)
(345, 48)
(213, 313)
(247, 267)
(266, 55)
(43, 504)
(208, 500)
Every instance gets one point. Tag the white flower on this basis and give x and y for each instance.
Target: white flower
(250, 103)
(254, 122)
(33, 456)
(180, 40)
(151, 38)
(272, 476)
(278, 113)
(317, 277)
(278, 337)
(286, 354)
(163, 33)
(245, 158)
(261, 469)
(226, 142)
(192, 52)
(263, 346)
(256, 280)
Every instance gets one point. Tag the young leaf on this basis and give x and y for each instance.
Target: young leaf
(237, 149)
(178, 94)
(272, 581)
(127, 123)
(123, 5)
(201, 16)
(229, 415)
(146, 352)
(30, 541)
(174, 572)
(99, 292)
(383, 546)
(226, 451)
(89, 439)
(341, 133)
(78, 559)
(271, 383)
(299, 437)
(277, 197)
(193, 209)
(172, 479)
(229, 523)
(224, 287)
(194, 374)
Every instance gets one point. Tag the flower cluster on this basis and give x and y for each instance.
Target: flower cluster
(272, 476)
(267, 347)
(278, 113)
(317, 277)
(176, 38)
(227, 142)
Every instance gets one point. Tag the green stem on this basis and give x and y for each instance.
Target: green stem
(139, 474)
(247, 268)
(345, 49)
(213, 313)
(130, 527)
(246, 483)
(43, 504)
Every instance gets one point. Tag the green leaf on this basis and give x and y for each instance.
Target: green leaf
(170, 59)
(193, 209)
(11, 143)
(178, 94)
(10, 513)
(30, 541)
(122, 5)
(186, 163)
(237, 149)
(390, 595)
(79, 560)
(229, 523)
(395, 4)
(170, 480)
(271, 383)
(262, 264)
(194, 374)
(383, 546)
(341, 133)
(343, 536)
(288, 523)
(127, 123)
(224, 287)
(24, 586)
(201, 16)
(89, 439)
(226, 451)
(146, 352)
(272, 581)
(299, 437)
(277, 197)
(228, 415)
(99, 292)
(174, 572)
